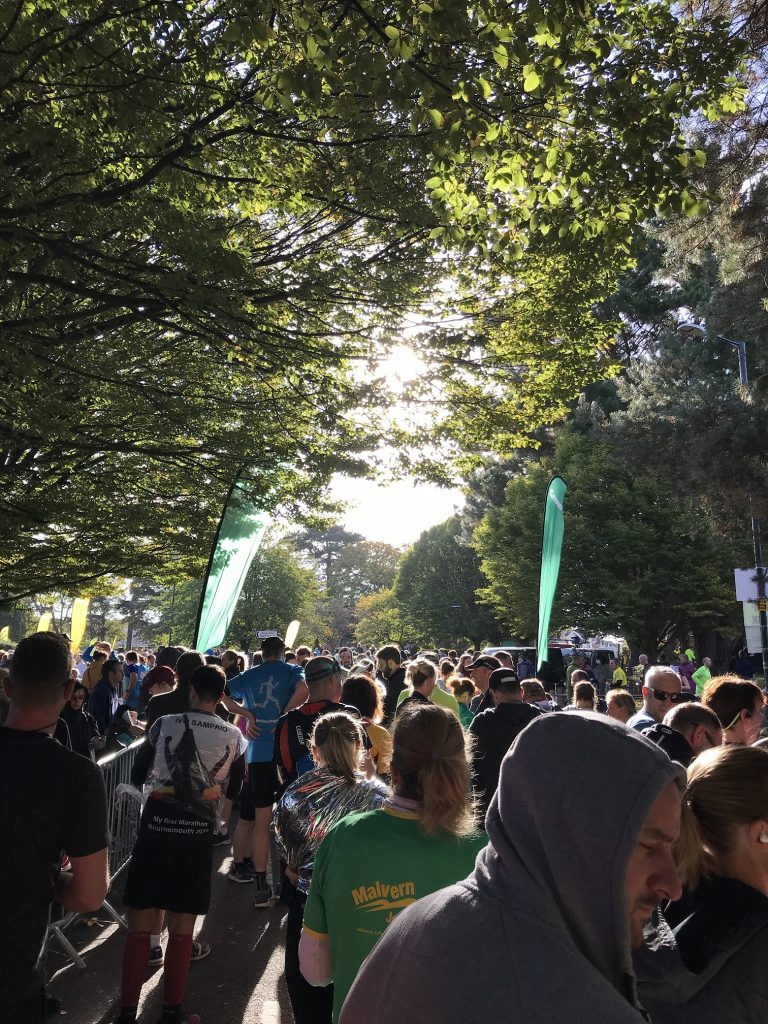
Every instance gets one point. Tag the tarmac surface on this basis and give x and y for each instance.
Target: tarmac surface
(241, 981)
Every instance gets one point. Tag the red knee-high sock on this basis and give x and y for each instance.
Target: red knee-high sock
(178, 953)
(135, 960)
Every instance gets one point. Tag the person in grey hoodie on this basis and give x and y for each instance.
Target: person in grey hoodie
(572, 873)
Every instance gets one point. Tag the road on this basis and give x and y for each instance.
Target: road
(241, 981)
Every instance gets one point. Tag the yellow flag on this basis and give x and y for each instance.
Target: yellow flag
(79, 619)
(44, 624)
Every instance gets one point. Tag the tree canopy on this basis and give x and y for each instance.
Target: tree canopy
(436, 588)
(639, 555)
(215, 217)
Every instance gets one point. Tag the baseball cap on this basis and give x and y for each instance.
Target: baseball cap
(272, 645)
(158, 674)
(484, 661)
(502, 678)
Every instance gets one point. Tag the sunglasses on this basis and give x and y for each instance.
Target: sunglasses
(662, 695)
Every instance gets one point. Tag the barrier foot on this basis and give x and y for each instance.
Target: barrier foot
(116, 917)
(67, 946)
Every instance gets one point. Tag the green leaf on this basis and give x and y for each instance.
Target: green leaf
(531, 81)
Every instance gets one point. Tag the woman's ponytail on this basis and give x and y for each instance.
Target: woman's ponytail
(430, 755)
(338, 738)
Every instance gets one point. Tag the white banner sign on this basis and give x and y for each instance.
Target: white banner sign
(746, 584)
(752, 627)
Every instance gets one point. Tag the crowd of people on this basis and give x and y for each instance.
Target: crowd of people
(453, 843)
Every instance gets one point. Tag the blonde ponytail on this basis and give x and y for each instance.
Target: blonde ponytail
(338, 739)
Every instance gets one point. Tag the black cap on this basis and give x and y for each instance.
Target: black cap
(672, 742)
(485, 661)
(272, 645)
(504, 679)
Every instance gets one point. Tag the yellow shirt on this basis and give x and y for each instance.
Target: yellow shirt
(381, 747)
(619, 678)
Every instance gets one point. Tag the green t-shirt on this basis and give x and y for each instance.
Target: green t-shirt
(368, 868)
(438, 696)
(701, 677)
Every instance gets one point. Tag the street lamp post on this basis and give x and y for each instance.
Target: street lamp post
(689, 329)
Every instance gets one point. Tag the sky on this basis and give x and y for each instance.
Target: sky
(397, 513)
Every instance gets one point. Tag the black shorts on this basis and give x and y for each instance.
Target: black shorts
(259, 790)
(236, 777)
(171, 873)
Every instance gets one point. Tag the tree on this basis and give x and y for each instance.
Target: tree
(277, 590)
(324, 549)
(436, 587)
(212, 215)
(639, 557)
(177, 613)
(382, 620)
(362, 568)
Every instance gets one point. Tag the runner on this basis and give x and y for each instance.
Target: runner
(185, 762)
(662, 689)
(543, 928)
(494, 731)
(52, 803)
(704, 958)
(739, 706)
(362, 693)
(309, 808)
(372, 865)
(267, 691)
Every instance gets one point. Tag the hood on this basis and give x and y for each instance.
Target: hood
(517, 713)
(574, 791)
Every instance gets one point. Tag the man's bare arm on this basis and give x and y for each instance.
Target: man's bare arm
(85, 886)
(237, 709)
(300, 695)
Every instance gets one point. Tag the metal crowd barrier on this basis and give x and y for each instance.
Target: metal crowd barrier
(123, 815)
(123, 805)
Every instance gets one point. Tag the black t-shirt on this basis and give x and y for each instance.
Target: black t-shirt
(393, 685)
(494, 731)
(75, 730)
(415, 698)
(175, 702)
(53, 801)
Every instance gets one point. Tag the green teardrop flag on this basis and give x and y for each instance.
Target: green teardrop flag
(551, 548)
(240, 533)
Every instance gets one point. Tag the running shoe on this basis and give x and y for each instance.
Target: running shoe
(180, 1018)
(240, 873)
(263, 898)
(221, 838)
(200, 950)
(156, 956)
